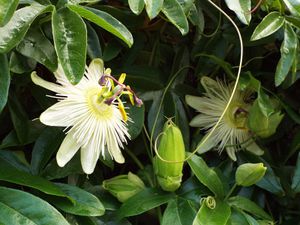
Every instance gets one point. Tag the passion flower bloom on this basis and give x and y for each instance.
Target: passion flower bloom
(232, 133)
(92, 113)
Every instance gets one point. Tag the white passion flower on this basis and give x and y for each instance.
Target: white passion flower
(92, 114)
(232, 133)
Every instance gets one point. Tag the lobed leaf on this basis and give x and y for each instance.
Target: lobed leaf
(4, 81)
(288, 52)
(136, 6)
(14, 31)
(70, 41)
(213, 216)
(174, 12)
(35, 45)
(269, 25)
(106, 21)
(16, 176)
(293, 6)
(85, 203)
(21, 208)
(7, 9)
(247, 205)
(153, 7)
(242, 9)
(206, 175)
(143, 201)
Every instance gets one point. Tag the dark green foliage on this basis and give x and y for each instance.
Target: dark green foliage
(166, 47)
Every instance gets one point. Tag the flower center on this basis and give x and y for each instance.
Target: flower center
(236, 116)
(101, 110)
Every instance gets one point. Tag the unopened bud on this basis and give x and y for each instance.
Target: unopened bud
(172, 150)
(249, 173)
(124, 186)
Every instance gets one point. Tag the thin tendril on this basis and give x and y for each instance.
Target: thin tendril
(228, 103)
(161, 102)
(256, 7)
(254, 58)
(215, 31)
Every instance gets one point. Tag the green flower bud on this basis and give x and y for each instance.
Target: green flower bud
(249, 173)
(171, 149)
(124, 186)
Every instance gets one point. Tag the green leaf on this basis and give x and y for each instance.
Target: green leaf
(271, 182)
(14, 31)
(30, 134)
(7, 9)
(206, 175)
(213, 216)
(4, 80)
(93, 44)
(269, 25)
(136, 6)
(247, 205)
(296, 177)
(20, 64)
(70, 41)
(250, 219)
(153, 7)
(174, 12)
(35, 45)
(237, 218)
(106, 21)
(293, 6)
(46, 144)
(111, 50)
(288, 52)
(220, 62)
(16, 176)
(21, 208)
(294, 20)
(196, 17)
(53, 171)
(242, 9)
(83, 1)
(186, 5)
(179, 212)
(19, 118)
(144, 201)
(137, 115)
(171, 214)
(85, 204)
(16, 159)
(84, 220)
(261, 125)
(264, 102)
(248, 174)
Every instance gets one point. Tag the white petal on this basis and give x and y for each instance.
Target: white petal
(254, 148)
(231, 153)
(67, 150)
(60, 75)
(207, 145)
(114, 148)
(96, 69)
(89, 156)
(203, 120)
(60, 115)
(209, 84)
(194, 101)
(45, 84)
